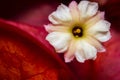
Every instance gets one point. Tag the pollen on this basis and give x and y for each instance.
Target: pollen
(77, 31)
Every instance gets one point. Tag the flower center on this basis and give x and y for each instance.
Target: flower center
(77, 31)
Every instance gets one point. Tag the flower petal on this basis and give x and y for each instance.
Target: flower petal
(100, 30)
(83, 5)
(92, 8)
(74, 11)
(80, 55)
(69, 55)
(88, 8)
(52, 28)
(93, 20)
(91, 40)
(59, 41)
(62, 14)
(101, 25)
(85, 51)
(103, 36)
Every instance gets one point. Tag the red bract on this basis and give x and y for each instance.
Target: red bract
(107, 65)
(25, 54)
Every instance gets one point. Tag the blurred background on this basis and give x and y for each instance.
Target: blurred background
(35, 12)
(11, 8)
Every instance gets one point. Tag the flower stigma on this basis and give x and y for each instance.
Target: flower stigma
(78, 30)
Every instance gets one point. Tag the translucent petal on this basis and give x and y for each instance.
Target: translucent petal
(103, 36)
(85, 51)
(51, 28)
(69, 54)
(100, 30)
(59, 41)
(91, 40)
(101, 25)
(83, 5)
(87, 9)
(74, 11)
(92, 8)
(80, 56)
(68, 59)
(93, 20)
(62, 14)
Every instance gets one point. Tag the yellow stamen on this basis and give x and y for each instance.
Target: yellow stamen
(77, 31)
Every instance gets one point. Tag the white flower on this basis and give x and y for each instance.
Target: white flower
(78, 30)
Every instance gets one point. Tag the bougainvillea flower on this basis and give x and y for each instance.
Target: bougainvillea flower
(77, 30)
(28, 62)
